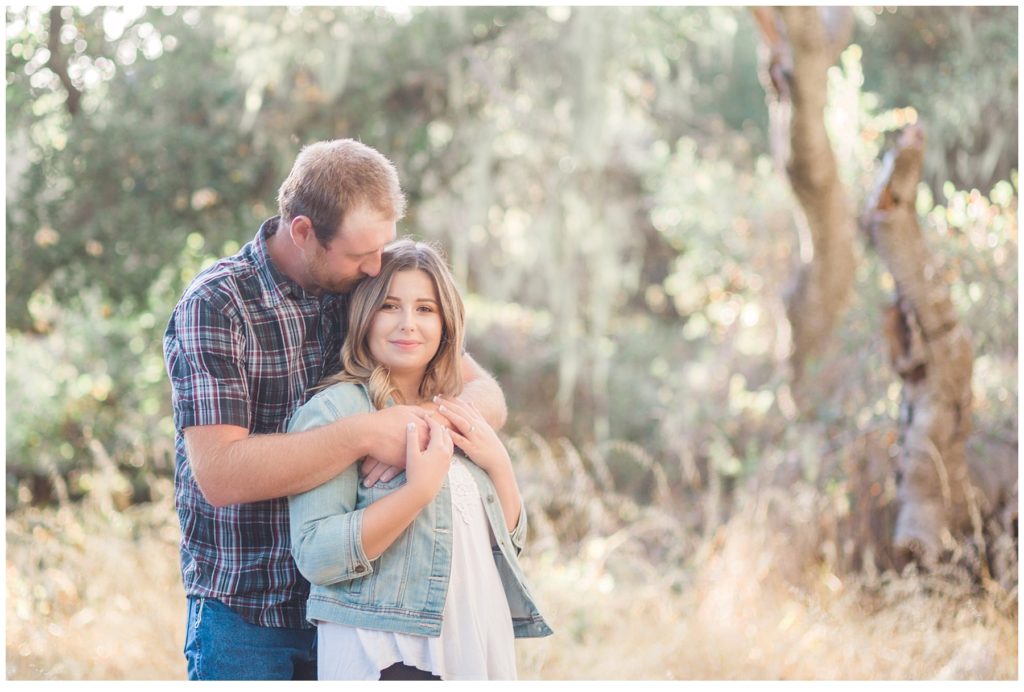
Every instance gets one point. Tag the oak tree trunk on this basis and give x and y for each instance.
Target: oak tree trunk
(931, 351)
(801, 43)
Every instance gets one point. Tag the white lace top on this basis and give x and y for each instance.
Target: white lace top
(476, 641)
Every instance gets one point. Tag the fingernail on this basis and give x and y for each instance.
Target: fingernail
(441, 408)
(437, 397)
(410, 427)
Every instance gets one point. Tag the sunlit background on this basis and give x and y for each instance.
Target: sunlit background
(602, 182)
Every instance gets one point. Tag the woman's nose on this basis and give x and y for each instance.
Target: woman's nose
(407, 324)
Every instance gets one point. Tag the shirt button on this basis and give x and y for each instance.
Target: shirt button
(490, 498)
(360, 569)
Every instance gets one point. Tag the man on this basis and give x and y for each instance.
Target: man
(248, 338)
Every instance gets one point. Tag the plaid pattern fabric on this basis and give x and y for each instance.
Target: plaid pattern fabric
(242, 346)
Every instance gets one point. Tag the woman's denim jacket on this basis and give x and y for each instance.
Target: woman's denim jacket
(404, 589)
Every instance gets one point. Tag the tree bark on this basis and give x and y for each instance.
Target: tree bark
(801, 44)
(931, 352)
(58, 61)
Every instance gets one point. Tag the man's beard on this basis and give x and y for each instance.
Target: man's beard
(324, 282)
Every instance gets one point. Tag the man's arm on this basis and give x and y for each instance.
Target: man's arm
(482, 391)
(231, 466)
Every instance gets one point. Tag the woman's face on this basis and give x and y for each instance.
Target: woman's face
(406, 331)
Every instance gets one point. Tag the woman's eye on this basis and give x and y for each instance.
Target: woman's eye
(426, 308)
(388, 306)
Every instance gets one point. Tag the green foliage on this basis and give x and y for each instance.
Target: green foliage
(100, 393)
(153, 154)
(957, 66)
(599, 177)
(92, 391)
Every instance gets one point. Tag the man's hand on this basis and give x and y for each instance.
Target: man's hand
(431, 407)
(388, 441)
(374, 469)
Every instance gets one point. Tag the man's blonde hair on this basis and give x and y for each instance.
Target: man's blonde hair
(330, 178)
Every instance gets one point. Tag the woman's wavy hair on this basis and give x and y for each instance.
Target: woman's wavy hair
(444, 371)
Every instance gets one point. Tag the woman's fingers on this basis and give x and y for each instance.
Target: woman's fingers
(412, 441)
(440, 437)
(461, 416)
(457, 419)
(459, 439)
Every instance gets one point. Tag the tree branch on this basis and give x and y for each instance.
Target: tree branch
(58, 62)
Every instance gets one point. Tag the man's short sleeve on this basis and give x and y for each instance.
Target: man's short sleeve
(205, 353)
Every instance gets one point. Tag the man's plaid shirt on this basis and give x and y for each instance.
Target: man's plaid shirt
(243, 345)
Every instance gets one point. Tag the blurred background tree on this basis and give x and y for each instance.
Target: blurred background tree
(603, 181)
(601, 178)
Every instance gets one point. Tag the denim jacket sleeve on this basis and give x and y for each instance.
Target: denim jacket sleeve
(518, 534)
(326, 527)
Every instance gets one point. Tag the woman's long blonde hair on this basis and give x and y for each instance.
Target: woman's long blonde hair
(444, 371)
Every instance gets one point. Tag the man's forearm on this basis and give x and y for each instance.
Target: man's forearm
(484, 393)
(232, 466)
(507, 488)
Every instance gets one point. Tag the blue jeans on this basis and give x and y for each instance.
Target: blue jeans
(221, 645)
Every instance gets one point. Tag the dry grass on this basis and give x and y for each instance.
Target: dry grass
(93, 593)
(737, 622)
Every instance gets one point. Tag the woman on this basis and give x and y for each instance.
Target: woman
(416, 578)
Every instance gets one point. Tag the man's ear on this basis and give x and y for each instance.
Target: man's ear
(301, 231)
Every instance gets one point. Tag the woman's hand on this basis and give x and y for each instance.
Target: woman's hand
(477, 439)
(385, 456)
(474, 435)
(426, 469)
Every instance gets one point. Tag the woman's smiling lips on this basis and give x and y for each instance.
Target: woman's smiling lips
(403, 343)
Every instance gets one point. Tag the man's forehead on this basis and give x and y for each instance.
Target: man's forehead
(365, 234)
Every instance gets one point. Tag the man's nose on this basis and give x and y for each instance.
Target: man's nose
(371, 267)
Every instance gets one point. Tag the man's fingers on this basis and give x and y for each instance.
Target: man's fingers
(420, 413)
(374, 474)
(431, 409)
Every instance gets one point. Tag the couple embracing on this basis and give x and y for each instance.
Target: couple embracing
(347, 510)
